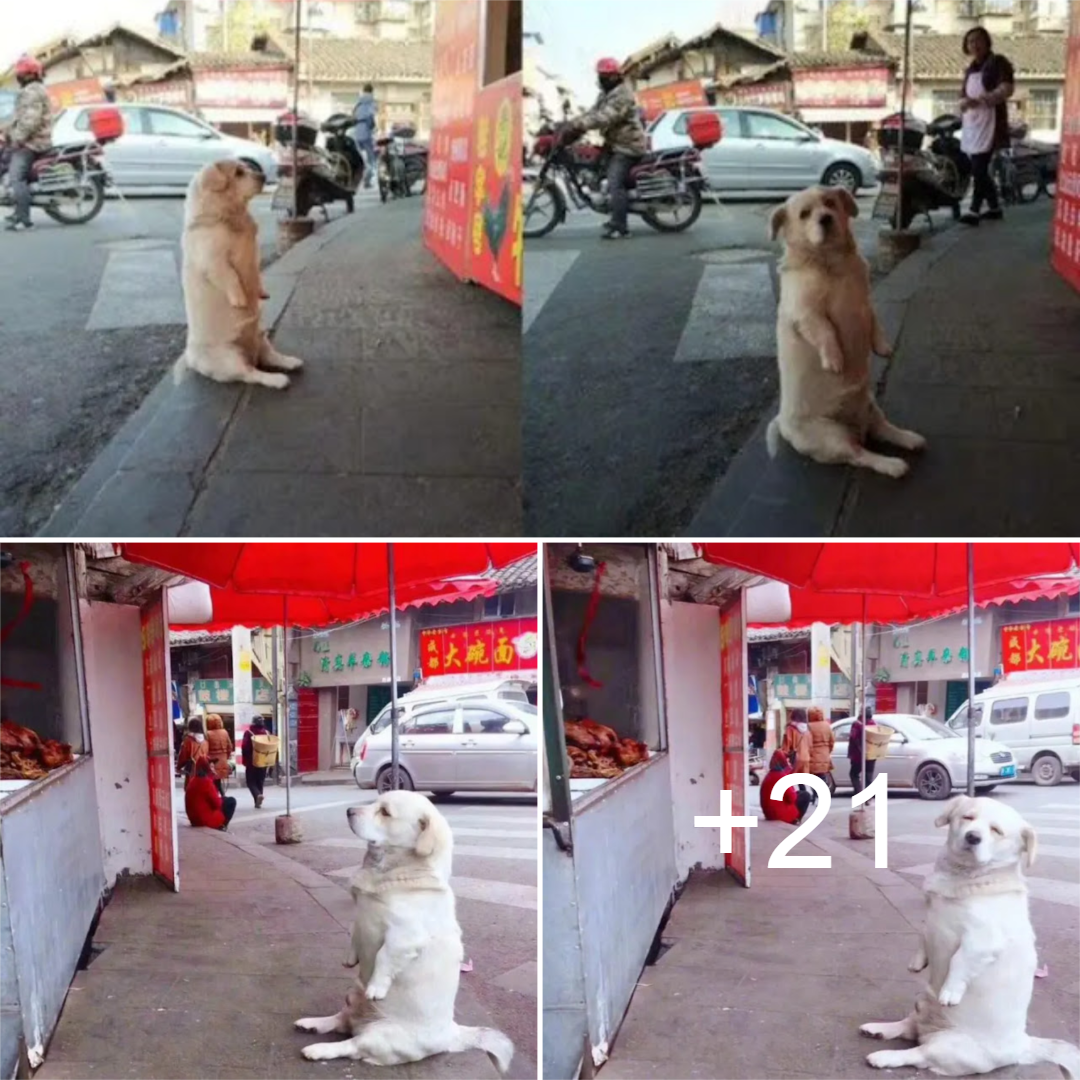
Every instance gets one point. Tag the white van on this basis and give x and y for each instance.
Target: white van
(1037, 719)
(503, 689)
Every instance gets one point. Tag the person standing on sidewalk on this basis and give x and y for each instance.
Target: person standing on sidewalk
(796, 742)
(855, 751)
(988, 85)
(192, 749)
(220, 747)
(254, 776)
(822, 741)
(364, 113)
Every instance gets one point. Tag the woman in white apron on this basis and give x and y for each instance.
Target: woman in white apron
(988, 85)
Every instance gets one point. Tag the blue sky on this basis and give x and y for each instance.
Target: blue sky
(578, 32)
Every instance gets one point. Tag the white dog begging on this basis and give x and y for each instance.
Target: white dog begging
(406, 943)
(825, 330)
(978, 948)
(222, 283)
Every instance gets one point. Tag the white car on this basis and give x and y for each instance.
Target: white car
(927, 755)
(162, 147)
(765, 151)
(473, 744)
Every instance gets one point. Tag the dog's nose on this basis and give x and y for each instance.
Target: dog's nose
(351, 811)
(826, 219)
(972, 838)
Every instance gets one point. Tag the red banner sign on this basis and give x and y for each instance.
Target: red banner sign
(886, 698)
(157, 707)
(456, 78)
(480, 648)
(63, 95)
(177, 92)
(250, 88)
(734, 729)
(842, 88)
(1041, 646)
(680, 95)
(767, 95)
(495, 257)
(1066, 229)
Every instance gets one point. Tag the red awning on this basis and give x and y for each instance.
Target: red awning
(342, 570)
(896, 569)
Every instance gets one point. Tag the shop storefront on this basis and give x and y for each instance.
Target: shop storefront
(1065, 240)
(644, 726)
(242, 101)
(844, 102)
(472, 206)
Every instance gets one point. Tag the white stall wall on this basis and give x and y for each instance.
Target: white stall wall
(691, 644)
(113, 653)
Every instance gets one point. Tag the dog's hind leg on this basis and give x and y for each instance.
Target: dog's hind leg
(271, 358)
(384, 1042)
(895, 1029)
(340, 1022)
(881, 429)
(832, 443)
(894, 1059)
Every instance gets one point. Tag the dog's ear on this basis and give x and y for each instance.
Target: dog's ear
(1029, 845)
(850, 205)
(777, 221)
(435, 836)
(952, 808)
(217, 176)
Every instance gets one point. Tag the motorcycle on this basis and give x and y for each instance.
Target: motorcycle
(318, 173)
(586, 159)
(402, 163)
(345, 156)
(930, 180)
(665, 186)
(67, 182)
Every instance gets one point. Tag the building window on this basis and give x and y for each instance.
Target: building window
(946, 103)
(1042, 110)
(500, 607)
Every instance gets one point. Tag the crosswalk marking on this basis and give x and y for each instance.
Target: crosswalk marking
(1061, 851)
(1074, 806)
(1039, 815)
(1056, 892)
(543, 272)
(733, 315)
(138, 288)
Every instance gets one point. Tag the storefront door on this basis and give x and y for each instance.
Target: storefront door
(158, 714)
(733, 689)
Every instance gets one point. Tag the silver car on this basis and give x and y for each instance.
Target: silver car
(463, 745)
(162, 147)
(765, 151)
(928, 756)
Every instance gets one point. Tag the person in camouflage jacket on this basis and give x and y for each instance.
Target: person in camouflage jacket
(30, 134)
(615, 115)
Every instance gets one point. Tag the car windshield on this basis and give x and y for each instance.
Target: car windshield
(922, 728)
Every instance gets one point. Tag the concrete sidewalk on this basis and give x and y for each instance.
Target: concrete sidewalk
(773, 981)
(405, 421)
(986, 368)
(208, 982)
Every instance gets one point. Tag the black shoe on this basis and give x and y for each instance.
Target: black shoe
(969, 219)
(16, 225)
(993, 215)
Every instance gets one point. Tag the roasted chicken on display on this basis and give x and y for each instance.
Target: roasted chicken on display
(25, 756)
(597, 752)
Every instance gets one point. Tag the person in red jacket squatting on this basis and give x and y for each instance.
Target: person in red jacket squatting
(793, 805)
(204, 803)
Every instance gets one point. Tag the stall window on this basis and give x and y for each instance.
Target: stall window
(1009, 711)
(42, 701)
(1052, 706)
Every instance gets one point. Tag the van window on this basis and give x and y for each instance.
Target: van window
(959, 721)
(1009, 711)
(432, 722)
(1053, 706)
(513, 695)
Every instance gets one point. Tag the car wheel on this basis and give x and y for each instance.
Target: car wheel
(985, 789)
(440, 796)
(1047, 771)
(383, 783)
(844, 175)
(933, 782)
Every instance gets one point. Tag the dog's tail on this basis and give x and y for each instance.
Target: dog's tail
(772, 436)
(180, 368)
(1063, 1054)
(494, 1043)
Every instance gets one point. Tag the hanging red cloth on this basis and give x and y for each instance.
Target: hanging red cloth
(590, 615)
(27, 604)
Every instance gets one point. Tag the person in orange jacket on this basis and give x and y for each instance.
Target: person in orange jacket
(203, 802)
(793, 804)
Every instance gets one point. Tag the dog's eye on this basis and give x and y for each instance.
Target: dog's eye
(969, 817)
(995, 829)
(805, 214)
(384, 811)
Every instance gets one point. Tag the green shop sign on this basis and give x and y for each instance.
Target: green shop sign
(348, 661)
(211, 692)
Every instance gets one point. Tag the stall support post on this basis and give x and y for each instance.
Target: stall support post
(861, 670)
(971, 672)
(904, 91)
(394, 745)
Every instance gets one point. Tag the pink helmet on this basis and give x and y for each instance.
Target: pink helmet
(28, 65)
(608, 66)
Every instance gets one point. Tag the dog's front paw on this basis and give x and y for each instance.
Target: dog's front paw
(884, 350)
(263, 294)
(238, 300)
(886, 1059)
(918, 961)
(376, 990)
(307, 1023)
(914, 441)
(892, 466)
(951, 993)
(833, 362)
(872, 1031)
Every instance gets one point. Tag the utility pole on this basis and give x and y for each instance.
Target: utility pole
(824, 26)
(224, 26)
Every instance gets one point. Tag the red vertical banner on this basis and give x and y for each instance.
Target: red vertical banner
(496, 246)
(1066, 228)
(456, 79)
(157, 707)
(733, 691)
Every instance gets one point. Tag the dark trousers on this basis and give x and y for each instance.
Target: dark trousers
(802, 801)
(985, 188)
(228, 808)
(856, 774)
(255, 780)
(618, 179)
(21, 161)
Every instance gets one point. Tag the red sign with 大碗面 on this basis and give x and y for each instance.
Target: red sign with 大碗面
(479, 648)
(1065, 237)
(1041, 646)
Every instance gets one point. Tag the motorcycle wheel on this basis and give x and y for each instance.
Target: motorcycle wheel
(550, 193)
(343, 173)
(384, 188)
(90, 196)
(1028, 184)
(679, 224)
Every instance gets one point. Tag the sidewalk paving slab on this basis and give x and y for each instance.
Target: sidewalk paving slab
(405, 419)
(207, 982)
(985, 367)
(774, 981)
